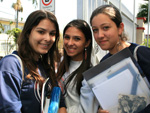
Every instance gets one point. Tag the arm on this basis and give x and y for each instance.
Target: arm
(87, 101)
(143, 54)
(62, 110)
(10, 85)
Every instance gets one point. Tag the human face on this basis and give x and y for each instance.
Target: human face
(74, 43)
(42, 36)
(106, 33)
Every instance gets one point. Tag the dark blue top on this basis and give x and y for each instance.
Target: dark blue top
(143, 56)
(17, 98)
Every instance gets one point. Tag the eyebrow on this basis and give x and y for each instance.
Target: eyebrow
(102, 24)
(45, 29)
(76, 36)
(41, 28)
(73, 36)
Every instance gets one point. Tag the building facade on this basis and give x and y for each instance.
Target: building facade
(84, 10)
(7, 44)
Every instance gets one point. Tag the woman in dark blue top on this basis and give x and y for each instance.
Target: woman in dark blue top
(108, 31)
(36, 46)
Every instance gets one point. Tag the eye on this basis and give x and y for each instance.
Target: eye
(76, 38)
(53, 33)
(66, 37)
(106, 28)
(95, 30)
(41, 32)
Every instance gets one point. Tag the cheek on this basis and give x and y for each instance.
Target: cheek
(53, 39)
(65, 42)
(95, 37)
(112, 35)
(81, 46)
(31, 41)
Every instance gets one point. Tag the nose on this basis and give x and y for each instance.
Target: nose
(49, 37)
(100, 34)
(70, 42)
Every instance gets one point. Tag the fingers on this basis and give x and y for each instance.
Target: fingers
(102, 111)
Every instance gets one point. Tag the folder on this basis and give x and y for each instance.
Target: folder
(117, 75)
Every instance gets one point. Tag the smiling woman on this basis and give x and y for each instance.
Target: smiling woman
(42, 36)
(36, 47)
(74, 43)
(77, 59)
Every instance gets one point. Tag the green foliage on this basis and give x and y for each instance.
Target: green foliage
(1, 28)
(145, 42)
(143, 10)
(14, 32)
(10, 22)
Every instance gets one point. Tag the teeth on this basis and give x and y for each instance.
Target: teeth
(70, 49)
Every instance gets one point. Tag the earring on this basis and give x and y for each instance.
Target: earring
(119, 44)
(85, 53)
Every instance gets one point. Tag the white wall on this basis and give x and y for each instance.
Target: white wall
(84, 10)
(6, 44)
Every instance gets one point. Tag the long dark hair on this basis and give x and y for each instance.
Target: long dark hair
(86, 63)
(27, 53)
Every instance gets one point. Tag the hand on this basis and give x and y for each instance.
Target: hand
(102, 111)
(62, 110)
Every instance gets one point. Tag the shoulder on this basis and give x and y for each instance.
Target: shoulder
(105, 57)
(132, 47)
(10, 64)
(141, 50)
(8, 60)
(144, 49)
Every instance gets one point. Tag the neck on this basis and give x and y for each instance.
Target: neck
(119, 46)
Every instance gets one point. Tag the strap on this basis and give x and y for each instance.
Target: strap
(135, 52)
(44, 100)
(22, 69)
(135, 56)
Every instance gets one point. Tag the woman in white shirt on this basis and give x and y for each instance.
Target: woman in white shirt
(77, 59)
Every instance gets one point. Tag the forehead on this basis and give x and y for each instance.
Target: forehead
(74, 30)
(46, 24)
(101, 19)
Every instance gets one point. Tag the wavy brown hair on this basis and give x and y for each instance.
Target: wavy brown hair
(26, 52)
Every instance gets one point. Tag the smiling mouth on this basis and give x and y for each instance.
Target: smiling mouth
(70, 49)
(45, 45)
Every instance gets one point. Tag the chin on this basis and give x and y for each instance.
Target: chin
(43, 52)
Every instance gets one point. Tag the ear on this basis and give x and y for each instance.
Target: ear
(87, 43)
(121, 28)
